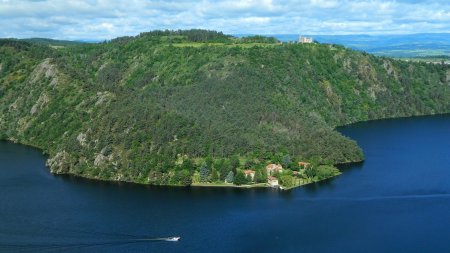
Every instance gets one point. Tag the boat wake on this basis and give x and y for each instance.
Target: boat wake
(376, 198)
(114, 239)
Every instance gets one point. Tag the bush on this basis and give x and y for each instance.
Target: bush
(326, 171)
(287, 180)
(240, 178)
(230, 177)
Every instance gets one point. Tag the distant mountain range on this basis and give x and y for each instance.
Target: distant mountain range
(410, 45)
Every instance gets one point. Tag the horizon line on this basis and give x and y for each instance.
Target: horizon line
(238, 34)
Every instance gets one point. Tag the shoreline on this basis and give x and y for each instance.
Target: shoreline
(393, 118)
(226, 185)
(193, 185)
(260, 185)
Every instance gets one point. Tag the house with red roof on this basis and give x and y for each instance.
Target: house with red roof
(274, 168)
(303, 165)
(249, 174)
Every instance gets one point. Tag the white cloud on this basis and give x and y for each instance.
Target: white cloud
(325, 3)
(256, 20)
(102, 19)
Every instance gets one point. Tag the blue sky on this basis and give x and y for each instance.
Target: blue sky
(102, 19)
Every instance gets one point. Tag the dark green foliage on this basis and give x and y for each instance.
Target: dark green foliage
(230, 177)
(311, 171)
(261, 176)
(209, 161)
(321, 172)
(249, 164)
(287, 180)
(193, 35)
(204, 173)
(240, 178)
(235, 163)
(326, 171)
(110, 75)
(286, 161)
(259, 39)
(50, 42)
(187, 165)
(145, 109)
(182, 177)
(223, 167)
(215, 176)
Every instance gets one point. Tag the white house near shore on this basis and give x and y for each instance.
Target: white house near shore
(272, 181)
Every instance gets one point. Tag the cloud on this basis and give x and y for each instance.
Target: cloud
(324, 3)
(106, 19)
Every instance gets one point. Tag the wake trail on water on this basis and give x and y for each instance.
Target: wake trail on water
(112, 239)
(30, 247)
(97, 233)
(377, 198)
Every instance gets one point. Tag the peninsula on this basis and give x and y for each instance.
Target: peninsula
(197, 107)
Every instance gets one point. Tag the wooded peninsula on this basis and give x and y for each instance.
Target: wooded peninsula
(197, 107)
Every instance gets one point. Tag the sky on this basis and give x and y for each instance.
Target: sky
(107, 19)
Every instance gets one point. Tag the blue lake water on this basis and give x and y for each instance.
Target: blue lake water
(398, 200)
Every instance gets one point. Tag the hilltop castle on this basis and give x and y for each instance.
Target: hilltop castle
(303, 39)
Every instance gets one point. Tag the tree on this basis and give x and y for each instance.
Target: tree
(223, 166)
(287, 180)
(249, 164)
(214, 175)
(286, 161)
(230, 177)
(196, 177)
(261, 176)
(240, 178)
(209, 162)
(310, 171)
(183, 177)
(204, 173)
(234, 163)
(326, 171)
(187, 165)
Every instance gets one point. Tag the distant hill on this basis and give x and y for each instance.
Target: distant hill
(51, 42)
(165, 106)
(411, 45)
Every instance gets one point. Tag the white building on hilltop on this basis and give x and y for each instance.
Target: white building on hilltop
(303, 39)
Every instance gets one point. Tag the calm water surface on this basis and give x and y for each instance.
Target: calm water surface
(398, 200)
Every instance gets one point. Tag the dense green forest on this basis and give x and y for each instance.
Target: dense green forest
(169, 107)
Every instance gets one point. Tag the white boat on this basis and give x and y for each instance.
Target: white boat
(173, 239)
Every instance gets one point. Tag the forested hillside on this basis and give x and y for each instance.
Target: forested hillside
(160, 106)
